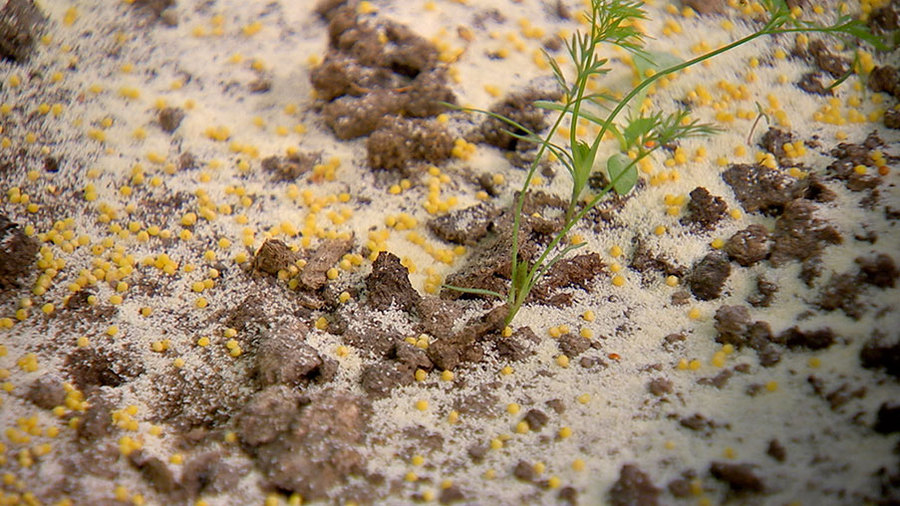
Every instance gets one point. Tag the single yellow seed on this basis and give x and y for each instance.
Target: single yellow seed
(512, 408)
(772, 386)
(522, 427)
(815, 362)
(694, 313)
(422, 405)
(564, 432)
(447, 376)
(618, 280)
(562, 361)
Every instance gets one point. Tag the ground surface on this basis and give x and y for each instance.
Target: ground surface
(225, 225)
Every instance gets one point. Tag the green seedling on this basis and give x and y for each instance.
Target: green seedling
(612, 22)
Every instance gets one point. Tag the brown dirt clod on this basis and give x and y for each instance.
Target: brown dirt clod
(739, 477)
(273, 256)
(388, 285)
(17, 253)
(633, 487)
(707, 278)
(322, 448)
(749, 245)
(20, 25)
(704, 210)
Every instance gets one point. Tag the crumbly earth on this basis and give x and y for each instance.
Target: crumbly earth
(225, 226)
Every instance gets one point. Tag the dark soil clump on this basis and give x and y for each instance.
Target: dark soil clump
(373, 69)
(811, 82)
(170, 118)
(17, 253)
(707, 278)
(749, 245)
(274, 256)
(885, 78)
(291, 167)
(704, 210)
(465, 226)
(760, 188)
(739, 477)
(389, 285)
(20, 25)
(399, 144)
(881, 353)
(321, 449)
(633, 487)
(520, 108)
(799, 235)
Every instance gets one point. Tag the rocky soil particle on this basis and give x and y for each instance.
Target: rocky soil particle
(749, 245)
(879, 271)
(704, 210)
(811, 82)
(519, 346)
(648, 262)
(268, 413)
(290, 168)
(660, 386)
(799, 235)
(698, 423)
(524, 471)
(892, 119)
(321, 449)
(378, 379)
(841, 292)
(705, 7)
(154, 471)
(884, 19)
(17, 253)
(488, 266)
(273, 256)
(170, 118)
(102, 366)
(536, 419)
(819, 339)
(313, 276)
(46, 392)
(739, 477)
(401, 144)
(734, 326)
(835, 65)
(848, 157)
(96, 422)
(520, 108)
(21, 22)
(465, 226)
(632, 488)
(156, 8)
(208, 473)
(465, 346)
(577, 271)
(284, 358)
(776, 450)
(880, 352)
(388, 285)
(437, 315)
(885, 78)
(451, 495)
(376, 68)
(572, 345)
(708, 276)
(759, 188)
(719, 380)
(888, 419)
(773, 141)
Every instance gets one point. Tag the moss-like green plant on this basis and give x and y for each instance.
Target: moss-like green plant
(613, 22)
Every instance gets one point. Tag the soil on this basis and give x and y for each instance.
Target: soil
(230, 234)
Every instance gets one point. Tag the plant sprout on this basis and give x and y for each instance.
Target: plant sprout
(613, 22)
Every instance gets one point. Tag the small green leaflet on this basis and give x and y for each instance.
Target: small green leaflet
(622, 173)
